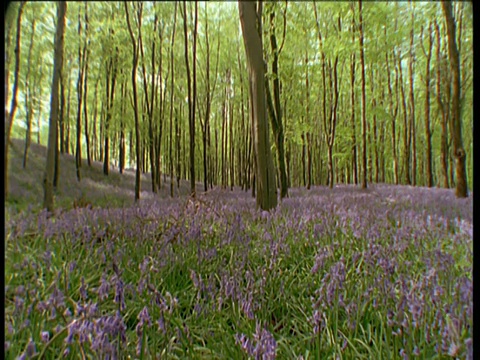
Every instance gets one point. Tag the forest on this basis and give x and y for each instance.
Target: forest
(223, 180)
(193, 117)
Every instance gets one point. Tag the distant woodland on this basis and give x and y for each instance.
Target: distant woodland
(263, 96)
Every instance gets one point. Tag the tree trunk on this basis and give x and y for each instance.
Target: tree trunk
(276, 116)
(150, 104)
(459, 151)
(412, 133)
(443, 111)
(266, 197)
(13, 106)
(373, 134)
(63, 119)
(364, 116)
(172, 90)
(135, 48)
(28, 99)
(406, 144)
(191, 97)
(48, 202)
(428, 134)
(123, 144)
(85, 89)
(80, 81)
(352, 120)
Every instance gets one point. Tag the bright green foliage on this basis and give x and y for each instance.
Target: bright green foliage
(387, 27)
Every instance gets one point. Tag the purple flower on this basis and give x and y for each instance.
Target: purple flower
(161, 323)
(83, 289)
(119, 295)
(66, 352)
(263, 346)
(104, 288)
(44, 336)
(144, 316)
(19, 302)
(31, 349)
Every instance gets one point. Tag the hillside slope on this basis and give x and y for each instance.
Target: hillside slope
(114, 190)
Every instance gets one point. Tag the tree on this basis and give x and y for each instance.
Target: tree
(364, 116)
(191, 94)
(48, 202)
(275, 110)
(428, 133)
(456, 123)
(150, 103)
(172, 69)
(28, 99)
(13, 107)
(135, 48)
(266, 197)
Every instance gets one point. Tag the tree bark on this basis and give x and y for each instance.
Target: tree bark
(428, 134)
(85, 88)
(172, 90)
(461, 189)
(406, 143)
(412, 133)
(13, 106)
(191, 97)
(80, 81)
(48, 202)
(276, 115)
(28, 99)
(364, 116)
(135, 48)
(266, 197)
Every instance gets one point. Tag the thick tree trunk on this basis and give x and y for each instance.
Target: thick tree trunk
(459, 151)
(266, 196)
(48, 202)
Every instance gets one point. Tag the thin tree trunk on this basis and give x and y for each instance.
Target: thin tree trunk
(172, 90)
(28, 99)
(150, 104)
(375, 143)
(135, 48)
(406, 144)
(412, 133)
(13, 106)
(81, 67)
(364, 116)
(428, 134)
(48, 202)
(352, 120)
(85, 88)
(63, 119)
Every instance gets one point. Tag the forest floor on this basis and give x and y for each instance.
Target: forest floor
(339, 273)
